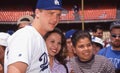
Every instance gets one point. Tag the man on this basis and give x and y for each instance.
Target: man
(24, 20)
(26, 51)
(97, 31)
(112, 52)
(3, 44)
(85, 61)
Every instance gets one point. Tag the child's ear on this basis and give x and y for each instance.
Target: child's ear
(74, 50)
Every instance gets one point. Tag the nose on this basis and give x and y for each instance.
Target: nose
(117, 37)
(55, 45)
(86, 47)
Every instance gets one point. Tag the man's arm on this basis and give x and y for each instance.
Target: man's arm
(1, 68)
(18, 67)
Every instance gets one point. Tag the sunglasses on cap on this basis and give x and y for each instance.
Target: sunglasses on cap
(114, 35)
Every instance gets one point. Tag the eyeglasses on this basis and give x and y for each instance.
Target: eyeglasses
(114, 36)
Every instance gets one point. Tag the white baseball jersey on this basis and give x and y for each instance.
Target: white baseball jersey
(28, 46)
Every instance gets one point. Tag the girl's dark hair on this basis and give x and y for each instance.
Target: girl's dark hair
(60, 56)
(80, 35)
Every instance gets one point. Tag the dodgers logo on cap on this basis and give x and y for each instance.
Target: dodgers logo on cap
(56, 2)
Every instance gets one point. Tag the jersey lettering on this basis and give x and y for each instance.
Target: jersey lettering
(43, 58)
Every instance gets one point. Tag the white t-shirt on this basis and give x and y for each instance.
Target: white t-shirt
(28, 46)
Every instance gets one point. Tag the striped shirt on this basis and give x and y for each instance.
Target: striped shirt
(98, 64)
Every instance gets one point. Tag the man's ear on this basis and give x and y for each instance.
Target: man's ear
(37, 11)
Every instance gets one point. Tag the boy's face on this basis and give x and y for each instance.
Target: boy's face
(84, 49)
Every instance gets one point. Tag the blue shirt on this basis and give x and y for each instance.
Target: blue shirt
(112, 55)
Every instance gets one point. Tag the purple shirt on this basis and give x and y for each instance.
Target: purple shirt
(57, 67)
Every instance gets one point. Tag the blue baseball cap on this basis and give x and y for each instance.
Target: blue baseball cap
(49, 4)
(69, 33)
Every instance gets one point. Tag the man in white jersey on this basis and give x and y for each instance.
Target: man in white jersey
(26, 51)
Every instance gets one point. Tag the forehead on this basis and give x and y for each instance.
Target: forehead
(69, 39)
(115, 30)
(55, 11)
(55, 35)
(99, 30)
(83, 41)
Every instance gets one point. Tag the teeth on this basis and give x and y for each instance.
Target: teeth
(86, 53)
(54, 50)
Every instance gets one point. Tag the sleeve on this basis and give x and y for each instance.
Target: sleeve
(19, 48)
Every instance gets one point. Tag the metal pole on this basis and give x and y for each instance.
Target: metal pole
(82, 5)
